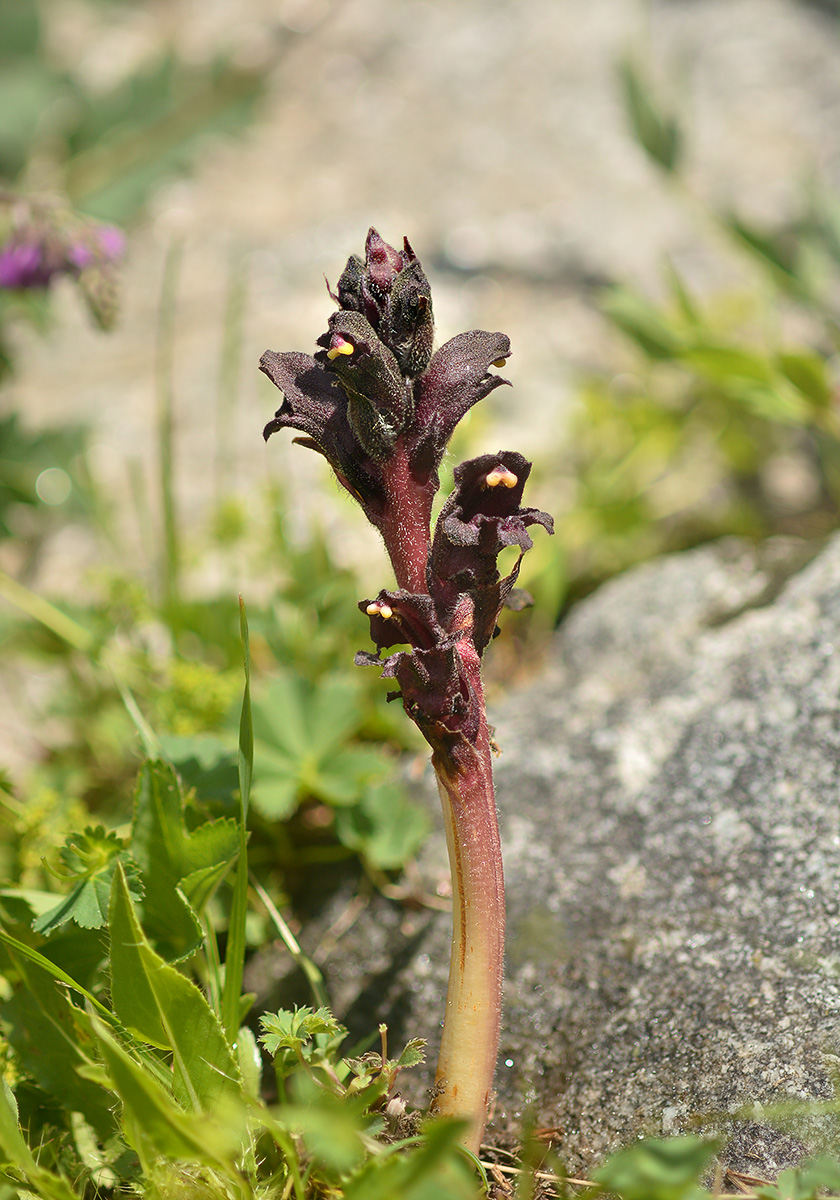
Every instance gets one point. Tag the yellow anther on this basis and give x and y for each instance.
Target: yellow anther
(499, 362)
(340, 346)
(501, 475)
(375, 609)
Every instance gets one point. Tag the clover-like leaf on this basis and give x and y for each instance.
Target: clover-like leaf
(286, 1030)
(90, 858)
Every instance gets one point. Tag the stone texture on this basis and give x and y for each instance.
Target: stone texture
(668, 802)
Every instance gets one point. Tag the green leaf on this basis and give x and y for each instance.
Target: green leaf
(12, 1142)
(52, 969)
(92, 856)
(165, 1008)
(775, 251)
(249, 1060)
(808, 373)
(641, 321)
(803, 1183)
(151, 1117)
(206, 763)
(384, 827)
(15, 1151)
(235, 954)
(301, 720)
(246, 727)
(332, 714)
(302, 733)
(52, 1044)
(656, 131)
(721, 362)
(169, 855)
(278, 717)
(658, 1169)
(276, 789)
(331, 1134)
(437, 1169)
(413, 1054)
(285, 1030)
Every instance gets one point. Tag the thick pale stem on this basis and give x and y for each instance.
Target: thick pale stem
(470, 1040)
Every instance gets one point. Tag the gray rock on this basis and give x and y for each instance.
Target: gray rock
(668, 799)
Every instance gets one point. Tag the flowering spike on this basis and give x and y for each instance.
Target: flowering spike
(381, 408)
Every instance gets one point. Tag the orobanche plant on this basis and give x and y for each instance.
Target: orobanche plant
(380, 406)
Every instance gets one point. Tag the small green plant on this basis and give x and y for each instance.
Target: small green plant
(127, 1062)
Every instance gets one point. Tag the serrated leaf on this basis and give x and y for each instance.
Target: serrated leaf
(12, 1142)
(15, 1151)
(285, 1030)
(413, 1054)
(165, 1008)
(91, 856)
(167, 854)
(52, 1045)
(151, 1116)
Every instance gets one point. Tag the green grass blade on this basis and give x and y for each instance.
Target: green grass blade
(170, 571)
(313, 976)
(56, 972)
(81, 639)
(235, 953)
(46, 614)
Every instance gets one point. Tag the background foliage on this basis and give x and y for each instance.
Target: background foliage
(169, 828)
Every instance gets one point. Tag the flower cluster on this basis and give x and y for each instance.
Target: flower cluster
(450, 625)
(381, 407)
(44, 240)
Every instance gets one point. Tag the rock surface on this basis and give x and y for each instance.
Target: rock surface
(668, 802)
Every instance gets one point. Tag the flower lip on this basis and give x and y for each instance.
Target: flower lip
(401, 617)
(339, 345)
(500, 475)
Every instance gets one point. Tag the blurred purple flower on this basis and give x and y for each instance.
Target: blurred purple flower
(21, 266)
(105, 242)
(40, 249)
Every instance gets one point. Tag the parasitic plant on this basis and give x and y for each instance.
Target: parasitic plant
(380, 406)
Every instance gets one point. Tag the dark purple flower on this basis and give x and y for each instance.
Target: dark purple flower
(434, 686)
(376, 394)
(381, 408)
(391, 290)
